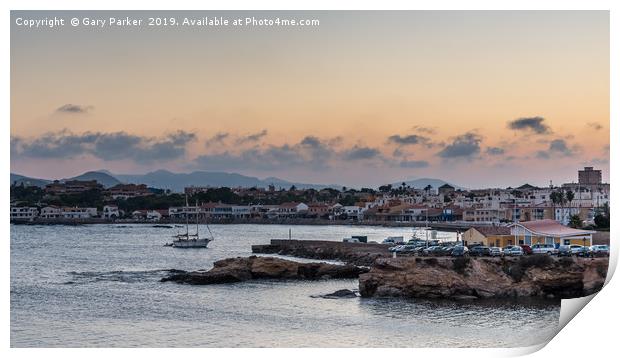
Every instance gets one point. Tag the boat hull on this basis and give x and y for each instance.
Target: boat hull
(191, 243)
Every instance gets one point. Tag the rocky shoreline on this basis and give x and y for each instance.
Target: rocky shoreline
(254, 268)
(446, 277)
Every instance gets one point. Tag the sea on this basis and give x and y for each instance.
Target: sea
(99, 286)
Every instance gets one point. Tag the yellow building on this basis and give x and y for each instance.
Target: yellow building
(549, 232)
(488, 235)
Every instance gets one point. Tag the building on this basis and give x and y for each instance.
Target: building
(72, 187)
(24, 213)
(51, 212)
(589, 176)
(125, 191)
(549, 232)
(445, 189)
(110, 212)
(498, 236)
(291, 210)
(78, 213)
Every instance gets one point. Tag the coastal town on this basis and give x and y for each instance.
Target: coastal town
(580, 204)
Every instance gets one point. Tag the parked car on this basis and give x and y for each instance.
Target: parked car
(350, 240)
(579, 250)
(512, 251)
(395, 248)
(480, 250)
(495, 251)
(599, 250)
(447, 250)
(564, 250)
(460, 251)
(406, 249)
(527, 250)
(547, 249)
(433, 251)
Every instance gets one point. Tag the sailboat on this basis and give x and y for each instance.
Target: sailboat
(188, 240)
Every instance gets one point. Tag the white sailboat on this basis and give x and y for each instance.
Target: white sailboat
(188, 240)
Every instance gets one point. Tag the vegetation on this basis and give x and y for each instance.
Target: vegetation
(575, 222)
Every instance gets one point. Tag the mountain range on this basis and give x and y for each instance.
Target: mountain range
(176, 182)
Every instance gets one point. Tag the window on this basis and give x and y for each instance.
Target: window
(549, 240)
(528, 240)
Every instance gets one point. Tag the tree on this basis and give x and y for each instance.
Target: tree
(385, 188)
(601, 221)
(575, 222)
(570, 196)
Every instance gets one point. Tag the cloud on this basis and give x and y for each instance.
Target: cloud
(361, 153)
(252, 137)
(595, 126)
(414, 164)
(310, 152)
(426, 130)
(557, 147)
(74, 108)
(495, 151)
(464, 146)
(217, 138)
(106, 146)
(534, 124)
(408, 140)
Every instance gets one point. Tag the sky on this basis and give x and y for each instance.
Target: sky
(476, 98)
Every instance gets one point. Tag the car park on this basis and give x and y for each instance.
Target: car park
(460, 251)
(495, 251)
(547, 249)
(480, 250)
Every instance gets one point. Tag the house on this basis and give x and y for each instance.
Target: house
(549, 232)
(318, 210)
(353, 212)
(488, 235)
(72, 187)
(24, 213)
(110, 212)
(125, 191)
(291, 210)
(445, 189)
(139, 214)
(78, 213)
(51, 212)
(153, 215)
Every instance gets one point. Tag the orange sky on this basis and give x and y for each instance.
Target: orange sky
(350, 83)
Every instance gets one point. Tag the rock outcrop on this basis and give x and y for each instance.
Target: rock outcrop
(454, 278)
(360, 254)
(253, 267)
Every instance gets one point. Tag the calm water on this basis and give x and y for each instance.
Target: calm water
(98, 286)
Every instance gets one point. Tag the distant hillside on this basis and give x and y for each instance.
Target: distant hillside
(421, 183)
(20, 179)
(104, 179)
(164, 179)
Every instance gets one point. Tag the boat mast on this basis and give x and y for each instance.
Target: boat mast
(186, 218)
(196, 219)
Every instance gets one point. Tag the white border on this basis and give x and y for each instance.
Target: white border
(591, 332)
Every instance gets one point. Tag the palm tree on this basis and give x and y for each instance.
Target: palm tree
(570, 196)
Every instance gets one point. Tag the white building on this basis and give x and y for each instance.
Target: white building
(51, 212)
(110, 212)
(153, 215)
(24, 213)
(78, 213)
